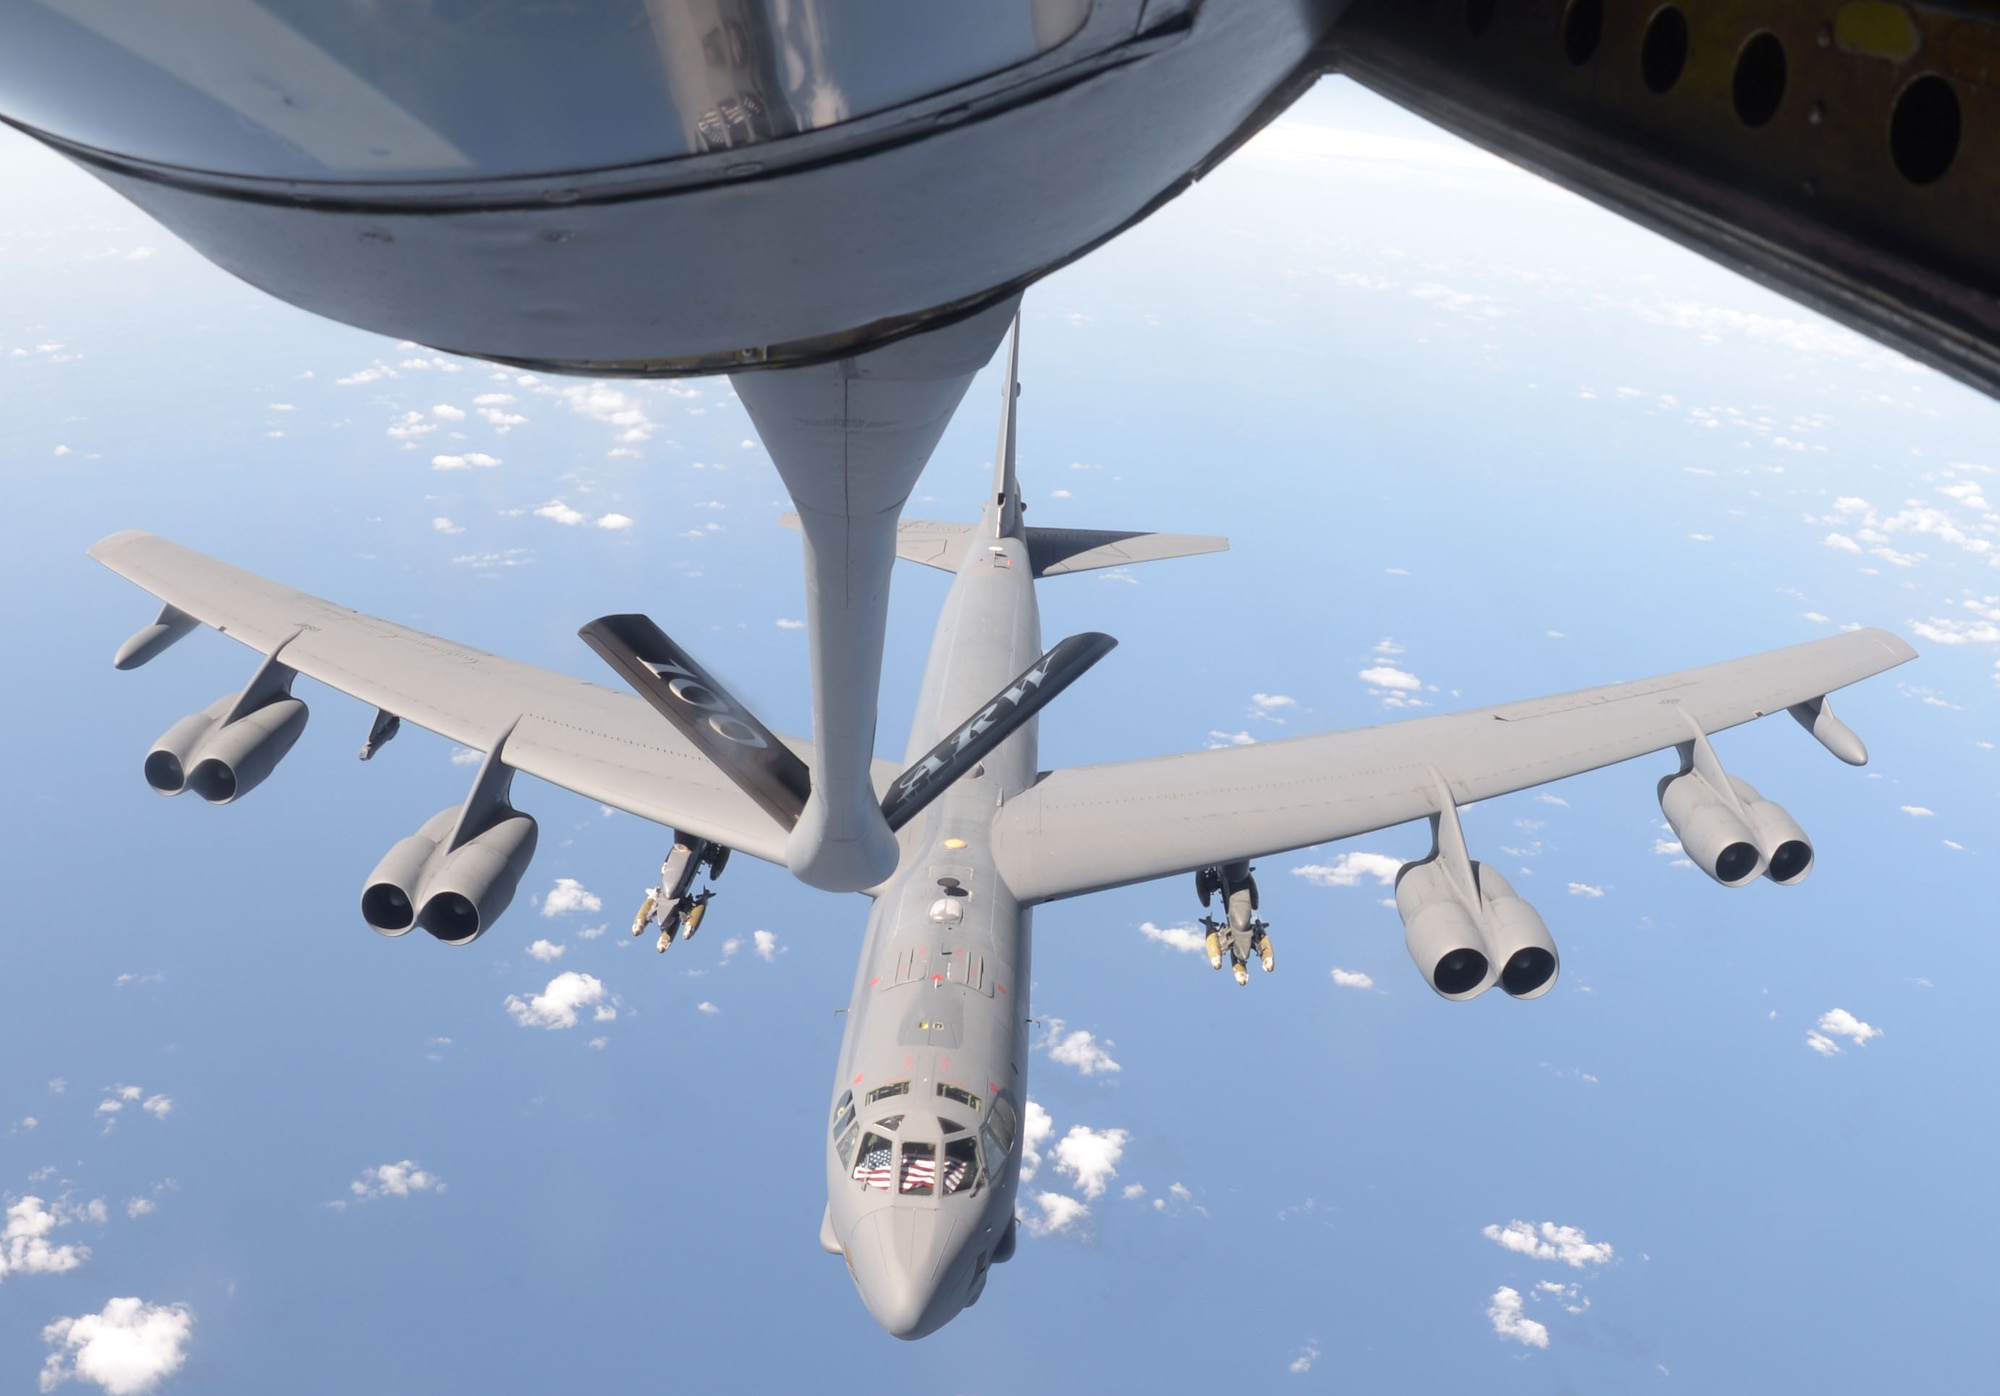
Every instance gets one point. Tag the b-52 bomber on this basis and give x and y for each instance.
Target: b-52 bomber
(925, 1112)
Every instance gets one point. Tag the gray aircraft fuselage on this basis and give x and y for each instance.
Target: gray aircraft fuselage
(940, 999)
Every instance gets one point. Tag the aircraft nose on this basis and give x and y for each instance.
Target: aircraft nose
(900, 1256)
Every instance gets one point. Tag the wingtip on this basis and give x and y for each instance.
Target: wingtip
(114, 542)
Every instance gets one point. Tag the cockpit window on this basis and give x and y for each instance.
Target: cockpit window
(889, 1122)
(872, 1169)
(961, 1166)
(919, 1169)
(843, 1111)
(996, 1140)
(951, 1126)
(884, 1092)
(844, 1146)
(959, 1094)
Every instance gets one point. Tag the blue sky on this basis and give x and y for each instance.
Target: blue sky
(1472, 440)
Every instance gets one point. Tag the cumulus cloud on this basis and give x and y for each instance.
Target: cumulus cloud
(1035, 1132)
(1510, 1322)
(1091, 1157)
(445, 412)
(1221, 739)
(1079, 1049)
(558, 1005)
(1566, 1244)
(1838, 1022)
(765, 944)
(129, 1347)
(570, 895)
(603, 403)
(707, 1008)
(467, 461)
(1304, 1361)
(1269, 701)
(1349, 868)
(615, 522)
(1585, 889)
(1351, 979)
(560, 512)
(1059, 1212)
(547, 950)
(1173, 937)
(140, 1206)
(24, 1243)
(1385, 676)
(1919, 812)
(787, 624)
(445, 525)
(394, 1180)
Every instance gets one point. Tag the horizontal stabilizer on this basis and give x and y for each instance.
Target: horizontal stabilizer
(1054, 551)
(969, 744)
(939, 545)
(721, 728)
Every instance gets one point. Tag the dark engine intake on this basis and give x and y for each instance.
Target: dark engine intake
(222, 753)
(453, 886)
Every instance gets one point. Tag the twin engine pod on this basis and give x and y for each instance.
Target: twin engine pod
(452, 885)
(1465, 940)
(1731, 832)
(225, 751)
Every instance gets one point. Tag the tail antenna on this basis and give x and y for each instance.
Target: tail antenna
(1006, 484)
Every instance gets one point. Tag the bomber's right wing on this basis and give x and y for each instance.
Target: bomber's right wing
(1092, 827)
(605, 745)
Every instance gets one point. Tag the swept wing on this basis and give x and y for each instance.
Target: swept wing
(1091, 827)
(605, 745)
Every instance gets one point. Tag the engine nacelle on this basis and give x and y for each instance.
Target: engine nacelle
(1518, 939)
(223, 759)
(1788, 853)
(390, 898)
(1443, 939)
(470, 885)
(454, 893)
(1715, 838)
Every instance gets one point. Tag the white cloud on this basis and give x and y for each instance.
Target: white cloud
(1222, 739)
(1566, 1244)
(1584, 889)
(24, 1243)
(603, 403)
(1838, 1022)
(1553, 800)
(1351, 979)
(570, 895)
(394, 1180)
(465, 756)
(1174, 937)
(1919, 812)
(1304, 1361)
(708, 1008)
(784, 624)
(560, 513)
(1268, 701)
(1059, 1213)
(614, 522)
(1348, 870)
(766, 945)
(1079, 1049)
(444, 525)
(1822, 1044)
(492, 399)
(1841, 542)
(128, 1348)
(1091, 1157)
(140, 1206)
(1510, 1322)
(445, 412)
(558, 1004)
(158, 1106)
(1385, 676)
(547, 950)
(1035, 1132)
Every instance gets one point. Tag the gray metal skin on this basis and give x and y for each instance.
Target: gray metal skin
(946, 1002)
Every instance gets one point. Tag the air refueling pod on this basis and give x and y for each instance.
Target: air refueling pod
(457, 874)
(1726, 828)
(227, 749)
(1465, 926)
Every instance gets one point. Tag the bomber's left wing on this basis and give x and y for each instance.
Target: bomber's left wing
(1092, 827)
(605, 745)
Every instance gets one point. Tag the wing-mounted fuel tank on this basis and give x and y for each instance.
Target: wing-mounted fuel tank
(1465, 926)
(457, 874)
(1726, 828)
(226, 750)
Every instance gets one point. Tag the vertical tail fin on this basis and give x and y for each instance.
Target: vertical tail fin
(1006, 485)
